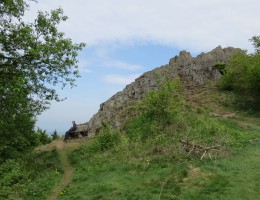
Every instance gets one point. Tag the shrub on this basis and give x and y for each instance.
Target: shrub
(55, 135)
(108, 138)
(159, 109)
(43, 137)
(164, 104)
(242, 75)
(105, 140)
(29, 176)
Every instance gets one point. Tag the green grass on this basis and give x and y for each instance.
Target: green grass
(146, 159)
(110, 176)
(31, 177)
(146, 162)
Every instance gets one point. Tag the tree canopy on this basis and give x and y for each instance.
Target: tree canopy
(242, 74)
(35, 58)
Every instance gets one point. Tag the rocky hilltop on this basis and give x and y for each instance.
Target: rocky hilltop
(193, 71)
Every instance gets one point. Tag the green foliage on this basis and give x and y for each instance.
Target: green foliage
(17, 135)
(220, 66)
(159, 108)
(149, 169)
(256, 43)
(106, 139)
(43, 137)
(31, 177)
(148, 162)
(243, 74)
(140, 127)
(34, 58)
(164, 104)
(55, 135)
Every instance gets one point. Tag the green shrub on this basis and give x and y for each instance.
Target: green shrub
(55, 135)
(221, 67)
(242, 75)
(159, 108)
(43, 137)
(164, 104)
(105, 140)
(30, 177)
(108, 138)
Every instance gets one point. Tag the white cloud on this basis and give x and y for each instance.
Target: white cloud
(120, 79)
(194, 25)
(122, 65)
(84, 66)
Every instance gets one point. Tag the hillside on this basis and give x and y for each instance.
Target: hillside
(124, 166)
(165, 137)
(171, 134)
(194, 72)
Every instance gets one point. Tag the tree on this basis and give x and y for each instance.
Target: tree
(42, 137)
(242, 74)
(256, 43)
(35, 58)
(55, 135)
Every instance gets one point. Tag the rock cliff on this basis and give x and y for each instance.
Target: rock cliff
(193, 71)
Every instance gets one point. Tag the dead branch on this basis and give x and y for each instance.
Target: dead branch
(197, 149)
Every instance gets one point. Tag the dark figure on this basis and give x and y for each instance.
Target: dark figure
(70, 131)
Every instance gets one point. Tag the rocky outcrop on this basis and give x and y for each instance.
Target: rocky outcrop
(193, 71)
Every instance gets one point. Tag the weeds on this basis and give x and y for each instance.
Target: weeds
(31, 177)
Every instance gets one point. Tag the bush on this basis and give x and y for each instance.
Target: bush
(17, 135)
(160, 108)
(43, 137)
(242, 75)
(11, 176)
(32, 175)
(55, 135)
(105, 140)
(164, 104)
(108, 138)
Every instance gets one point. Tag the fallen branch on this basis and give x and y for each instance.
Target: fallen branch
(197, 149)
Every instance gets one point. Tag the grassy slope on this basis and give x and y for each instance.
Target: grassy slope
(157, 169)
(31, 177)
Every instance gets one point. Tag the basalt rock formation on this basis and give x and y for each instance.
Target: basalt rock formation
(193, 72)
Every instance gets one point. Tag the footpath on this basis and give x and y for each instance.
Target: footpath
(68, 170)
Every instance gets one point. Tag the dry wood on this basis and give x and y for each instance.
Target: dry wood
(197, 149)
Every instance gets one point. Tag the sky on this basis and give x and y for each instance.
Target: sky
(126, 38)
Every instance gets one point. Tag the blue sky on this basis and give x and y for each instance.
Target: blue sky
(126, 38)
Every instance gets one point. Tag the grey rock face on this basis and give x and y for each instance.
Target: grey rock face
(193, 72)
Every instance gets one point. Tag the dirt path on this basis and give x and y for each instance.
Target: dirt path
(68, 171)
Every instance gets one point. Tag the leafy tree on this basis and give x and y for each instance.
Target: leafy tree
(256, 43)
(35, 58)
(242, 74)
(42, 136)
(55, 135)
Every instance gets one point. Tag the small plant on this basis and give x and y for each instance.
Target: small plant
(43, 137)
(55, 135)
(107, 138)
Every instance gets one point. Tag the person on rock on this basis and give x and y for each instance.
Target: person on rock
(70, 131)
